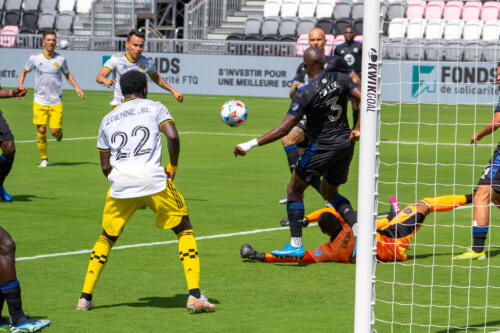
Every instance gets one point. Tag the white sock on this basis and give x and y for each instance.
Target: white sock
(296, 241)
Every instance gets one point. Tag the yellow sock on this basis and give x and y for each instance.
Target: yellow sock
(446, 202)
(41, 142)
(98, 258)
(188, 253)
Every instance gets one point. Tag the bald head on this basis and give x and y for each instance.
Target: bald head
(317, 38)
(314, 61)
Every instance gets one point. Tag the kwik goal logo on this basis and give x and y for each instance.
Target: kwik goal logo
(423, 80)
(371, 95)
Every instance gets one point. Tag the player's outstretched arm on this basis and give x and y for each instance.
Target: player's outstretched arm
(174, 147)
(20, 81)
(489, 128)
(105, 157)
(162, 83)
(13, 93)
(276, 133)
(101, 77)
(72, 81)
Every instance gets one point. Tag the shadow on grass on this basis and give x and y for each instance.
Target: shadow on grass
(194, 199)
(473, 328)
(28, 197)
(177, 301)
(70, 163)
(491, 254)
(284, 264)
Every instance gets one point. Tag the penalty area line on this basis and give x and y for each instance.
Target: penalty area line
(123, 247)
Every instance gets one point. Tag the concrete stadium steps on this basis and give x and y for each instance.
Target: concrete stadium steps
(235, 23)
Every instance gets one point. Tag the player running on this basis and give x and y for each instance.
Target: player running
(331, 142)
(294, 142)
(351, 51)
(47, 105)
(121, 63)
(394, 232)
(130, 151)
(488, 190)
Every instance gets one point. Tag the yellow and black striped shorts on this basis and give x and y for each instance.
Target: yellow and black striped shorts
(169, 206)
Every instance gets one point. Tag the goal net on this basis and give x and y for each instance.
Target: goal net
(436, 89)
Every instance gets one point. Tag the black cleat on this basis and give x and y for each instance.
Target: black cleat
(248, 252)
(59, 138)
(284, 222)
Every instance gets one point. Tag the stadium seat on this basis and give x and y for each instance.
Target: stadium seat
(305, 25)
(491, 52)
(83, 6)
(415, 49)
(434, 29)
(471, 11)
(272, 8)
(30, 5)
(302, 44)
(46, 21)
(473, 51)
(66, 6)
(416, 28)
(339, 39)
(288, 26)
(252, 49)
(357, 11)
(397, 28)
(13, 5)
(453, 51)
(434, 50)
(491, 31)
(286, 48)
(1, 17)
(2, 4)
(270, 26)
(325, 8)
(289, 8)
(490, 11)
(307, 8)
(415, 9)
(9, 33)
(357, 24)
(48, 5)
(253, 25)
(29, 22)
(342, 9)
(12, 17)
(357, 1)
(472, 30)
(452, 10)
(330, 44)
(395, 49)
(396, 10)
(326, 24)
(453, 29)
(234, 48)
(64, 22)
(434, 10)
(359, 38)
(340, 25)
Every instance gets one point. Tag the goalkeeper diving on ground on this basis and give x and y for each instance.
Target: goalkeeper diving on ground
(394, 232)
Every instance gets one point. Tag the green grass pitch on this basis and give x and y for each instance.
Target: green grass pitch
(142, 289)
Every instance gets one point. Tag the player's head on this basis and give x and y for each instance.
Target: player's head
(135, 44)
(49, 40)
(317, 38)
(329, 224)
(134, 84)
(314, 60)
(349, 34)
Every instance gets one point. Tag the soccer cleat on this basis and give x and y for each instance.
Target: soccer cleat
(289, 251)
(59, 138)
(30, 326)
(43, 163)
(84, 305)
(248, 252)
(395, 204)
(199, 304)
(471, 255)
(284, 222)
(4, 195)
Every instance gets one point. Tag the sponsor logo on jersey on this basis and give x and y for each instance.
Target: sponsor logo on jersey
(318, 253)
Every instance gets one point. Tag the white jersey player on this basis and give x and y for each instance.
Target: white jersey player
(47, 106)
(132, 59)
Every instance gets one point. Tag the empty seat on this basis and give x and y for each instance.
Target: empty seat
(491, 52)
(357, 24)
(307, 8)
(326, 24)
(339, 39)
(357, 11)
(46, 21)
(359, 38)
(272, 8)
(288, 26)
(434, 10)
(434, 29)
(83, 6)
(253, 25)
(395, 10)
(324, 8)
(395, 49)
(302, 44)
(270, 26)
(342, 9)
(12, 17)
(491, 31)
(453, 29)
(490, 11)
(29, 22)
(330, 44)
(1, 17)
(340, 25)
(452, 10)
(305, 25)
(9, 33)
(64, 22)
(31, 5)
(416, 28)
(13, 5)
(289, 8)
(472, 30)
(473, 51)
(453, 51)
(471, 11)
(66, 5)
(2, 3)
(415, 49)
(415, 9)
(434, 50)
(397, 28)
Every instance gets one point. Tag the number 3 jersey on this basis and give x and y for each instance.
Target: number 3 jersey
(324, 101)
(131, 132)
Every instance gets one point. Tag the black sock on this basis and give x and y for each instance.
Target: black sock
(355, 115)
(479, 237)
(11, 290)
(195, 292)
(88, 297)
(343, 206)
(292, 154)
(295, 211)
(5, 166)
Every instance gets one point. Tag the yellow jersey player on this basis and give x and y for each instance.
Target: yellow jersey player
(47, 105)
(121, 63)
(130, 150)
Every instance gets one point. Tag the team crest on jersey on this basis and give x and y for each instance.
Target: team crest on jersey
(142, 67)
(294, 106)
(318, 253)
(407, 211)
(56, 64)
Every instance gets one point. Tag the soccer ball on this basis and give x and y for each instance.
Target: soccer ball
(63, 44)
(233, 113)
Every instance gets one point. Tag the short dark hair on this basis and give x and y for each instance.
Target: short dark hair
(329, 224)
(133, 82)
(135, 32)
(48, 32)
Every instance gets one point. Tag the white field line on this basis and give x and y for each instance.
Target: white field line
(123, 247)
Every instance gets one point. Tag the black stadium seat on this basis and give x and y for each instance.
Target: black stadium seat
(46, 21)
(326, 24)
(12, 17)
(358, 26)
(29, 22)
(340, 25)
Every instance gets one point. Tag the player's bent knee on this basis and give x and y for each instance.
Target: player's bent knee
(111, 238)
(42, 129)
(8, 148)
(55, 132)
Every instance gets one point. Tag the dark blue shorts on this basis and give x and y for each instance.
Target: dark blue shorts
(491, 172)
(5, 133)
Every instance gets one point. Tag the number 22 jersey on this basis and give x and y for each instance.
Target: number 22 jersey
(131, 132)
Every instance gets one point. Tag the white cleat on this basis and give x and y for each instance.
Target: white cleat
(43, 163)
(199, 304)
(84, 305)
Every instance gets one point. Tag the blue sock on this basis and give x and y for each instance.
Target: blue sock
(295, 211)
(479, 237)
(292, 154)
